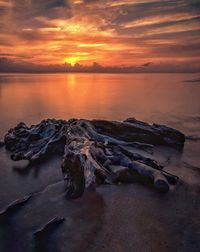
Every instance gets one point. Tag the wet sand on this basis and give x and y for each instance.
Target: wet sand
(125, 217)
(139, 219)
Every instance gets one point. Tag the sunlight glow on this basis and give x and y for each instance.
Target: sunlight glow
(111, 33)
(72, 60)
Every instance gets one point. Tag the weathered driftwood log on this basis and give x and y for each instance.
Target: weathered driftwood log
(97, 151)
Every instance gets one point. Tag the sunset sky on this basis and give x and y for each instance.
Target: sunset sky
(110, 32)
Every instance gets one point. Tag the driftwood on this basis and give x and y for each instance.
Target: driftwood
(1, 143)
(43, 232)
(97, 151)
(15, 204)
(48, 226)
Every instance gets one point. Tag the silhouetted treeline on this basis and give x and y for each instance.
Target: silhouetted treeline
(8, 65)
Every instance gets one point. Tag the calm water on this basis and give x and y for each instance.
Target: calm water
(152, 97)
(161, 98)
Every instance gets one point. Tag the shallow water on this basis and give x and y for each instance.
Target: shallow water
(163, 98)
(160, 98)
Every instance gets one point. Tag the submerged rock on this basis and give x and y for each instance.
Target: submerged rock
(97, 151)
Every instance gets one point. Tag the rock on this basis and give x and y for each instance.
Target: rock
(97, 151)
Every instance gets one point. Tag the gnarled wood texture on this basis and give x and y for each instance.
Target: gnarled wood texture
(97, 151)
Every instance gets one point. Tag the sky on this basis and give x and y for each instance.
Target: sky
(110, 32)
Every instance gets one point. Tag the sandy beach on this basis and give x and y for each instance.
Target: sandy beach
(124, 217)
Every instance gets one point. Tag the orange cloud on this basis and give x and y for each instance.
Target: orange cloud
(108, 32)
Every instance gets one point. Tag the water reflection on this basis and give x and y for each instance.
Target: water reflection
(151, 97)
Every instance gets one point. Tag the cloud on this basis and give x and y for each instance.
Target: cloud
(21, 66)
(147, 64)
(20, 14)
(35, 8)
(124, 32)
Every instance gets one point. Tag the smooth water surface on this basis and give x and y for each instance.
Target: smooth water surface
(151, 97)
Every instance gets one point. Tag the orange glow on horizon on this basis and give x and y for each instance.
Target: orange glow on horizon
(72, 60)
(111, 33)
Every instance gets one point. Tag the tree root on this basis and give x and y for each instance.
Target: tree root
(97, 151)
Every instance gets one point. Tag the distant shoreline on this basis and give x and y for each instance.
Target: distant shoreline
(84, 72)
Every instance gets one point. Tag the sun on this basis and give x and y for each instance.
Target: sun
(72, 60)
